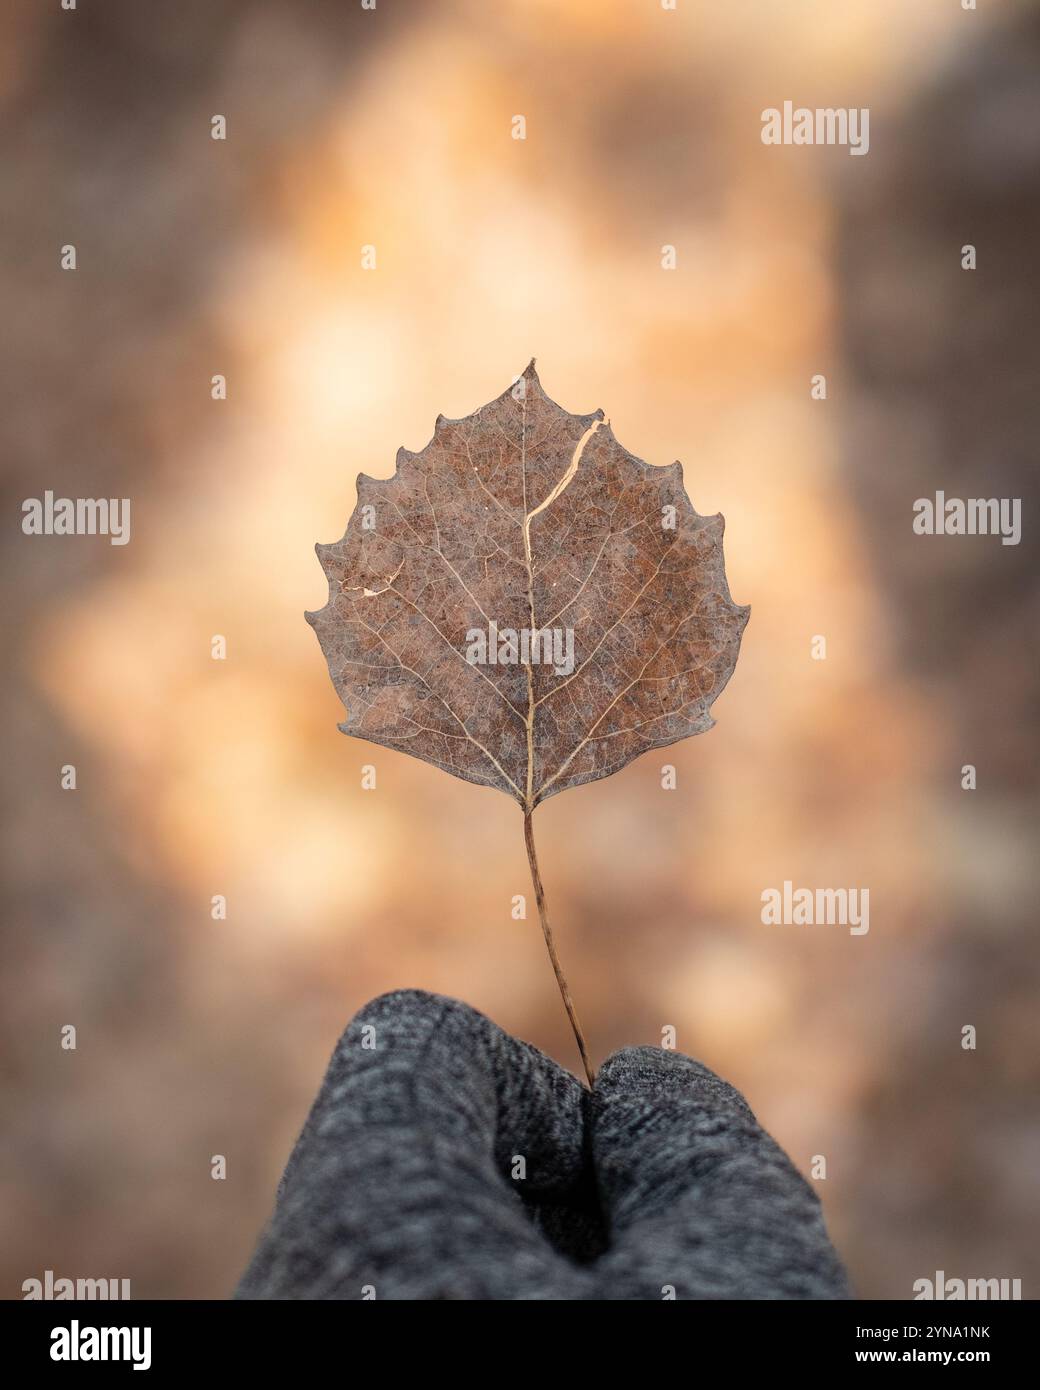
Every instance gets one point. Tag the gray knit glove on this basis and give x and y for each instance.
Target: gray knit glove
(445, 1159)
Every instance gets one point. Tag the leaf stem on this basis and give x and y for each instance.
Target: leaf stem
(539, 897)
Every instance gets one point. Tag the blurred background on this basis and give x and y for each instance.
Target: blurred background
(198, 777)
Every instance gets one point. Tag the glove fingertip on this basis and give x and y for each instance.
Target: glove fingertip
(644, 1070)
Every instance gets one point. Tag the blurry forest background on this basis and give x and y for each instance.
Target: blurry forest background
(196, 777)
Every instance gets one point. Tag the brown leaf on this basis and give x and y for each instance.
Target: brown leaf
(528, 606)
(517, 519)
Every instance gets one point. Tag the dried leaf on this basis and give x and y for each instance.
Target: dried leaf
(528, 606)
(522, 518)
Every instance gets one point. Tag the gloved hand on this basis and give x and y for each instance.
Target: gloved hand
(445, 1159)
